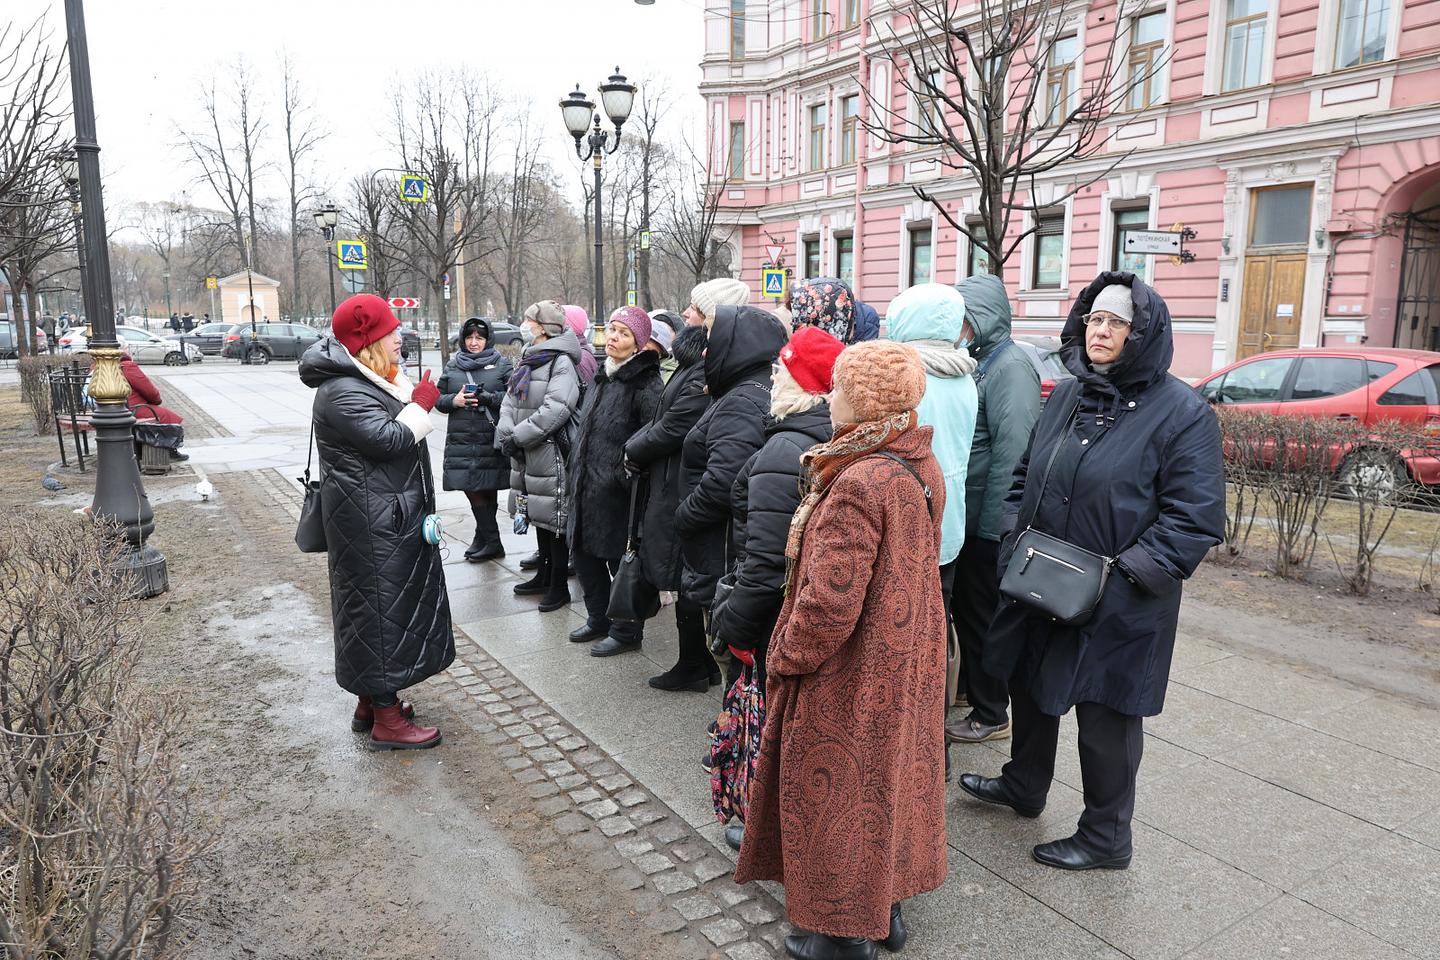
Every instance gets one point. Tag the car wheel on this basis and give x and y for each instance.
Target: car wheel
(175, 359)
(258, 356)
(1372, 474)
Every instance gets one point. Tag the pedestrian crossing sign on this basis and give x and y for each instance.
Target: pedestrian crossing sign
(414, 188)
(774, 283)
(350, 254)
(630, 298)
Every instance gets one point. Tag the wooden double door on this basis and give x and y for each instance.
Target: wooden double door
(1270, 304)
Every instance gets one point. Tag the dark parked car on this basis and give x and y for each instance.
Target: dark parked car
(209, 337)
(1044, 355)
(270, 341)
(7, 340)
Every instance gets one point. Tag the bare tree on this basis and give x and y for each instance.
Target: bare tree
(225, 155)
(445, 131)
(302, 136)
(692, 228)
(652, 106)
(525, 201)
(1006, 93)
(372, 213)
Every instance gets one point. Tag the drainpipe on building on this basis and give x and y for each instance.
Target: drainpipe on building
(862, 139)
(1335, 242)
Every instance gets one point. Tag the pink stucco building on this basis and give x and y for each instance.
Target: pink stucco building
(1299, 139)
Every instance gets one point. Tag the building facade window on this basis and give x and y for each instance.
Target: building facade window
(845, 259)
(819, 17)
(1047, 265)
(737, 29)
(1246, 22)
(1129, 219)
(810, 251)
(1281, 216)
(852, 13)
(1361, 33)
(977, 262)
(849, 127)
(1147, 45)
(737, 151)
(818, 116)
(929, 107)
(921, 255)
(1060, 89)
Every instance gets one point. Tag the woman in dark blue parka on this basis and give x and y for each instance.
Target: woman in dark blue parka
(1138, 477)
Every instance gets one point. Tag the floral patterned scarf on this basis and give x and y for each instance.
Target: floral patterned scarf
(822, 464)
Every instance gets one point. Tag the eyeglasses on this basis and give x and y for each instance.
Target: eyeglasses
(1114, 323)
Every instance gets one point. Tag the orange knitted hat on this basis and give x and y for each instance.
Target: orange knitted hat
(880, 378)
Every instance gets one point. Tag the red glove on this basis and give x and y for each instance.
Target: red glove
(426, 394)
(746, 657)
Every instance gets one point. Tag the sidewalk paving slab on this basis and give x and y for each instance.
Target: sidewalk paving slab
(1390, 890)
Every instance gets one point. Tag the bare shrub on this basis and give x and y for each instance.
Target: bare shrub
(1372, 474)
(1246, 471)
(35, 388)
(1301, 454)
(96, 838)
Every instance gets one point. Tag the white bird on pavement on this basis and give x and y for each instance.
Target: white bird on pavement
(205, 489)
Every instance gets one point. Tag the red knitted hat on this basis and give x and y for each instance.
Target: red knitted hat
(361, 320)
(810, 358)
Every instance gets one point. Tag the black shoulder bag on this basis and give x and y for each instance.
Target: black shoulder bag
(632, 597)
(1055, 577)
(310, 531)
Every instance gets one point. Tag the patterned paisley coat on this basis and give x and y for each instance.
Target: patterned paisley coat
(847, 807)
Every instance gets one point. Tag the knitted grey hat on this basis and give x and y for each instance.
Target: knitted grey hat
(1115, 298)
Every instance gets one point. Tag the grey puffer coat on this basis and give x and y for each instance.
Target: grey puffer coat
(387, 586)
(536, 421)
(471, 460)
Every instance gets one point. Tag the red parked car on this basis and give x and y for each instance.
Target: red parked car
(1363, 384)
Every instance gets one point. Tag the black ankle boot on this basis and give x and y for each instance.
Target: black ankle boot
(531, 562)
(682, 677)
(817, 946)
(898, 934)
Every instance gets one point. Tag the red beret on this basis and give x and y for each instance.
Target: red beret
(361, 320)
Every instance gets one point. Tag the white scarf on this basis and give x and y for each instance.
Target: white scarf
(941, 358)
(413, 417)
(611, 366)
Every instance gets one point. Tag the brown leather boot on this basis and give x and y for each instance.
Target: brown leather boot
(393, 732)
(365, 713)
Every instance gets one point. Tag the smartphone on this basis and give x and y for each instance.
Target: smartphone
(471, 387)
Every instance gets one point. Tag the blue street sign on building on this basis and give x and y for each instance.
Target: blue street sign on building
(414, 188)
(350, 254)
(773, 283)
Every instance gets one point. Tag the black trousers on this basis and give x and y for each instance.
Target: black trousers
(595, 574)
(973, 603)
(694, 645)
(483, 504)
(1110, 748)
(554, 563)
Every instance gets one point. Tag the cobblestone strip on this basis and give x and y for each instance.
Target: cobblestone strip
(582, 790)
(589, 799)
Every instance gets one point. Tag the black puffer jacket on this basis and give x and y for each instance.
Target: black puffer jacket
(656, 448)
(744, 342)
(615, 407)
(387, 587)
(765, 497)
(471, 460)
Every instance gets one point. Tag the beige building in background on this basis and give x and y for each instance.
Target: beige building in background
(233, 298)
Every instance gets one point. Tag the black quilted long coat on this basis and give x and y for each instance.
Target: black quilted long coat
(387, 587)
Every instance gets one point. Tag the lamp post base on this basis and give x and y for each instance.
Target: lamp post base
(146, 570)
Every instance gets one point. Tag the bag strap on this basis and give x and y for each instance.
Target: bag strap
(925, 487)
(1050, 464)
(632, 529)
(985, 364)
(310, 452)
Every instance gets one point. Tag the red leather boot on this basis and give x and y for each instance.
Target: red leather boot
(365, 713)
(393, 732)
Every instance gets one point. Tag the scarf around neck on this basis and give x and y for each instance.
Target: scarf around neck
(821, 465)
(468, 362)
(940, 358)
(519, 384)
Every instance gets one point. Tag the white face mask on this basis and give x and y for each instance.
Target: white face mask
(527, 334)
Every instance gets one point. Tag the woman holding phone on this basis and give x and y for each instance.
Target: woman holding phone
(471, 389)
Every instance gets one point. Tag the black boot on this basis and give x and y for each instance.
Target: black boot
(817, 946)
(538, 584)
(682, 677)
(557, 589)
(898, 934)
(531, 562)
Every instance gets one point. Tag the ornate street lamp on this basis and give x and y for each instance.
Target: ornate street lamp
(119, 493)
(617, 97)
(326, 218)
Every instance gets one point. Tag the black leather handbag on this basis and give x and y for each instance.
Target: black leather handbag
(633, 598)
(1055, 577)
(310, 531)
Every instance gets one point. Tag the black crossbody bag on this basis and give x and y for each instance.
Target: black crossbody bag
(1055, 577)
(310, 531)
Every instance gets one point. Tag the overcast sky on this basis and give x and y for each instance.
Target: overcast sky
(148, 58)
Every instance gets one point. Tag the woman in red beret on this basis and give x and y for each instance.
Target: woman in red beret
(387, 586)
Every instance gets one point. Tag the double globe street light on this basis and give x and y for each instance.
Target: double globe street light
(617, 96)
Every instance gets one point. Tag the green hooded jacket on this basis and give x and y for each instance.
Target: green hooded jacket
(1009, 406)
